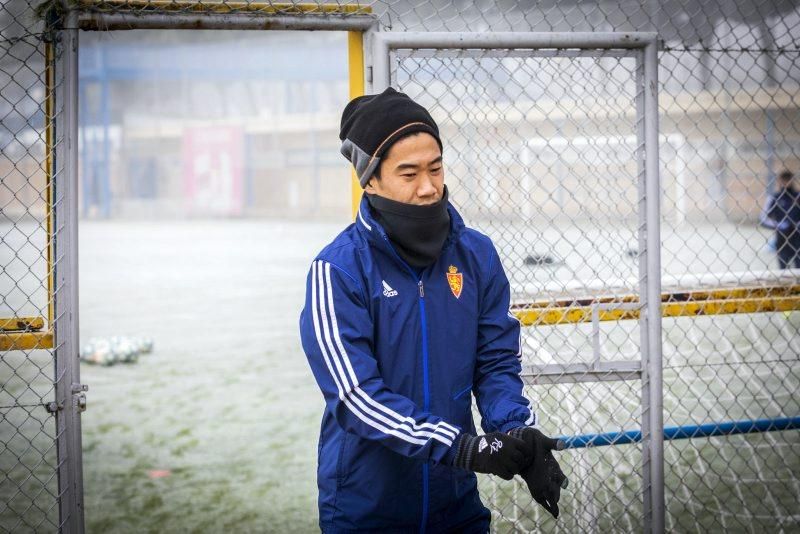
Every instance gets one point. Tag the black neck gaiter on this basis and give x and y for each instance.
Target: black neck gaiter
(417, 232)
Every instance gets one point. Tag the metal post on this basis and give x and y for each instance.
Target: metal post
(355, 66)
(380, 63)
(641, 156)
(69, 392)
(653, 306)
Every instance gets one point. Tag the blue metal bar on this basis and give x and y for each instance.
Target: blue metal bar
(132, 61)
(706, 430)
(104, 176)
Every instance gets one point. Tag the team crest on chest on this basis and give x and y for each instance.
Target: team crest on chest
(456, 280)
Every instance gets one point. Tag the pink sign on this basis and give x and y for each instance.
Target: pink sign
(213, 169)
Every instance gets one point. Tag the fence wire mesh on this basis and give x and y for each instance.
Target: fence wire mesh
(540, 156)
(29, 492)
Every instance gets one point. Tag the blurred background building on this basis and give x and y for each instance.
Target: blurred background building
(212, 124)
(233, 124)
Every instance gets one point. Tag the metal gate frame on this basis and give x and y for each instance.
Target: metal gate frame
(70, 400)
(62, 67)
(645, 47)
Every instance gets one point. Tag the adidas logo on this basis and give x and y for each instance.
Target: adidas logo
(387, 290)
(482, 444)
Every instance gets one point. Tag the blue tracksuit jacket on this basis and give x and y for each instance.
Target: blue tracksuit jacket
(396, 354)
(782, 211)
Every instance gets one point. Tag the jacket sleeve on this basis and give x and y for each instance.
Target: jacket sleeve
(768, 215)
(497, 384)
(336, 330)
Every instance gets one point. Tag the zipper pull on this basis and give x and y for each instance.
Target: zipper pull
(421, 290)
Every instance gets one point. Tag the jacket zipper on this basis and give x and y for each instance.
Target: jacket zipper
(427, 400)
(425, 385)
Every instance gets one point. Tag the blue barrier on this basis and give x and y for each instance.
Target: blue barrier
(684, 432)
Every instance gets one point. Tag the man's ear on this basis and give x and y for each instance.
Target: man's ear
(369, 188)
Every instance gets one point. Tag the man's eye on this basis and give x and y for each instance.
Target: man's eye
(408, 175)
(437, 169)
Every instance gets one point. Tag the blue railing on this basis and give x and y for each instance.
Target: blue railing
(705, 430)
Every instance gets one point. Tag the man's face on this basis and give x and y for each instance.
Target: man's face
(411, 171)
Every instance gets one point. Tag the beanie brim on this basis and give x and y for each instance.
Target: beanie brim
(403, 131)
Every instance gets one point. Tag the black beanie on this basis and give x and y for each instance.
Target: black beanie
(372, 123)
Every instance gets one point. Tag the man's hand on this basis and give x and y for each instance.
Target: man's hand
(494, 453)
(543, 475)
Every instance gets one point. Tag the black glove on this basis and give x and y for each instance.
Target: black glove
(543, 476)
(494, 453)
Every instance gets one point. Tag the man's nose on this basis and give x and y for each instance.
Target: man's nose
(426, 187)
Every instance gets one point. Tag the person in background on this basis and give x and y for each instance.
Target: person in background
(782, 213)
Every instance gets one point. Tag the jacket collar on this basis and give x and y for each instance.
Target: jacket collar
(374, 233)
(787, 195)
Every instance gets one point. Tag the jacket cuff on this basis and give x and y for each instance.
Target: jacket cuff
(456, 453)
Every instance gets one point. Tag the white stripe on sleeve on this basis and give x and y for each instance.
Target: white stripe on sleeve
(441, 427)
(401, 430)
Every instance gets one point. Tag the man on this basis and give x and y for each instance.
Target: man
(782, 213)
(406, 313)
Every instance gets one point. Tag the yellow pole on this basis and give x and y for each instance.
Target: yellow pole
(355, 51)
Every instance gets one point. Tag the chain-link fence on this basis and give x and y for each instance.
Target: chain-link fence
(541, 155)
(40, 394)
(28, 459)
